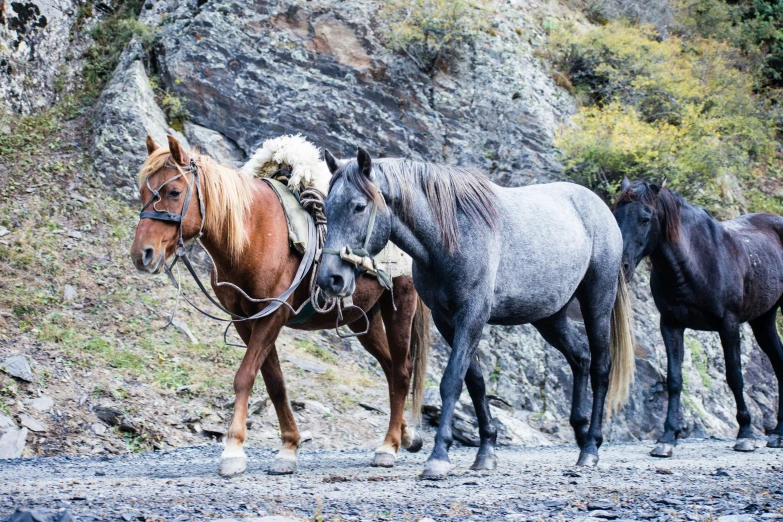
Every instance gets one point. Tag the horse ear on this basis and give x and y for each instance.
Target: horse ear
(331, 161)
(364, 161)
(655, 188)
(625, 183)
(176, 151)
(151, 145)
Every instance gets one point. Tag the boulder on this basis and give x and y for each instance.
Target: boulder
(215, 145)
(12, 443)
(125, 113)
(18, 366)
(111, 415)
(43, 403)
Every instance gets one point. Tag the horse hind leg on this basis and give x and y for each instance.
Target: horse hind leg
(560, 332)
(488, 432)
(765, 331)
(730, 339)
(376, 343)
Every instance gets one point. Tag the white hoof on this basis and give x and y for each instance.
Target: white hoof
(232, 466)
(385, 456)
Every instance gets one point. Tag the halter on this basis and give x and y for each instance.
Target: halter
(361, 258)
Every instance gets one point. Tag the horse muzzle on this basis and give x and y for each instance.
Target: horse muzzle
(336, 278)
(147, 261)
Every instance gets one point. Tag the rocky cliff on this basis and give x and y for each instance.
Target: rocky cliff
(246, 71)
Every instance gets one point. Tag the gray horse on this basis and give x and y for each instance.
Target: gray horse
(487, 254)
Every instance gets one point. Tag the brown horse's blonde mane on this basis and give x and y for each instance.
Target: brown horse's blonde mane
(227, 196)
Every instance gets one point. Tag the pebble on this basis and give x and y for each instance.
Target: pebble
(75, 234)
(307, 366)
(31, 424)
(736, 518)
(99, 428)
(601, 513)
(600, 505)
(43, 403)
(4, 231)
(18, 366)
(111, 415)
(69, 293)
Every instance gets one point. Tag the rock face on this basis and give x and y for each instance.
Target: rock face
(127, 112)
(248, 71)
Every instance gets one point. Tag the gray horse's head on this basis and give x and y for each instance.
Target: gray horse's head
(645, 213)
(349, 206)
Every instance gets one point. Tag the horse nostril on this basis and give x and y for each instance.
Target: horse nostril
(149, 253)
(337, 283)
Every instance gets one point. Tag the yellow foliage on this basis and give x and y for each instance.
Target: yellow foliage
(674, 109)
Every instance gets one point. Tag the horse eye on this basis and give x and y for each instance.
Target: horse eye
(645, 221)
(359, 208)
(174, 193)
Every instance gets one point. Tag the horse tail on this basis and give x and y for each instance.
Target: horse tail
(621, 349)
(420, 350)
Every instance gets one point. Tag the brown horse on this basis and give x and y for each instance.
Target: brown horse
(244, 230)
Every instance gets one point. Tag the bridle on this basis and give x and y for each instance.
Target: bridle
(181, 253)
(360, 257)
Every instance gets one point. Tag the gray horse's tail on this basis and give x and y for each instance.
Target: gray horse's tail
(420, 350)
(621, 349)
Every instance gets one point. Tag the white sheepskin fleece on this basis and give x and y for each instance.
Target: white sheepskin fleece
(307, 169)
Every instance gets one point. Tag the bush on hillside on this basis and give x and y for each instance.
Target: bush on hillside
(432, 32)
(674, 109)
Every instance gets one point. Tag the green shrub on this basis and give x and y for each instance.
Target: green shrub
(654, 109)
(432, 32)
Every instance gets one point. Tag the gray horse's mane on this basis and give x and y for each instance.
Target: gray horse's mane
(448, 189)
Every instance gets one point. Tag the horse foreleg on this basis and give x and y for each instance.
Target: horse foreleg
(286, 460)
(766, 334)
(260, 342)
(730, 339)
(469, 323)
(673, 339)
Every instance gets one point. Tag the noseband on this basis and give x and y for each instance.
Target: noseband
(361, 258)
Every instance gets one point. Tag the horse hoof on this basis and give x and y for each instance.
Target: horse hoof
(436, 469)
(745, 445)
(485, 463)
(282, 467)
(383, 460)
(412, 441)
(587, 459)
(775, 441)
(232, 466)
(663, 450)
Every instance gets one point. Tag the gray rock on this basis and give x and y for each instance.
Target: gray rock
(737, 518)
(43, 403)
(69, 293)
(111, 415)
(41, 515)
(12, 443)
(98, 428)
(308, 366)
(6, 423)
(310, 406)
(215, 145)
(18, 366)
(126, 112)
(31, 424)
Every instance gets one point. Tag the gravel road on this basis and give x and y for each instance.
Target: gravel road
(706, 480)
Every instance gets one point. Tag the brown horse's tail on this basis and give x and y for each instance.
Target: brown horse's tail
(621, 349)
(420, 350)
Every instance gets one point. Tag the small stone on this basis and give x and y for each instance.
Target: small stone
(600, 505)
(41, 515)
(111, 415)
(671, 501)
(720, 472)
(12, 443)
(259, 405)
(305, 436)
(736, 518)
(213, 430)
(4, 231)
(602, 513)
(69, 293)
(31, 424)
(18, 366)
(127, 426)
(311, 406)
(75, 234)
(99, 428)
(43, 403)
(307, 366)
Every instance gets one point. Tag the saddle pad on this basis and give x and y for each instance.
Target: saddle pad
(296, 217)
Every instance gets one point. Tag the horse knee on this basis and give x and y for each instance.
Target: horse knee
(243, 382)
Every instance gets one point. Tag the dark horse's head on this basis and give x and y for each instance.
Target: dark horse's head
(352, 201)
(646, 214)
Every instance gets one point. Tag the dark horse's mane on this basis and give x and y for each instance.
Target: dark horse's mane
(447, 189)
(661, 200)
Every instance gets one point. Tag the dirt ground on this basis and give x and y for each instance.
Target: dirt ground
(706, 480)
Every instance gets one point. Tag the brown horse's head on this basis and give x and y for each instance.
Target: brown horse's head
(156, 240)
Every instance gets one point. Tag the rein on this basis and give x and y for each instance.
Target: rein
(361, 258)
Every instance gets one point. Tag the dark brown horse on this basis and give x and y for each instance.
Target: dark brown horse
(244, 230)
(706, 275)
